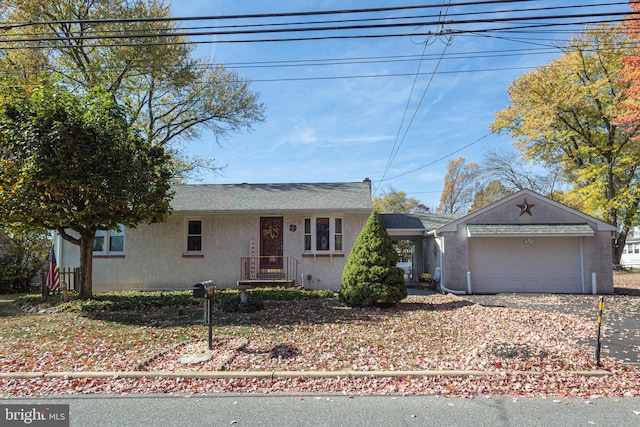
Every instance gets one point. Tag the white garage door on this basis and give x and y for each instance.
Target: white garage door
(549, 265)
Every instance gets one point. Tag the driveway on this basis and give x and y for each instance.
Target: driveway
(620, 336)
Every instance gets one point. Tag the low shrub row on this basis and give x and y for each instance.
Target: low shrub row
(143, 300)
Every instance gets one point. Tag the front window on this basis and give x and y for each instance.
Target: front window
(323, 235)
(109, 241)
(194, 236)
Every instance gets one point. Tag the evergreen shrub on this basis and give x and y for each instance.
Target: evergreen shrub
(370, 277)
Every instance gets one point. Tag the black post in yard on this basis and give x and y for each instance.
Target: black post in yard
(207, 290)
(600, 309)
(210, 340)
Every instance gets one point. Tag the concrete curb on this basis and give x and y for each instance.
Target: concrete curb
(287, 374)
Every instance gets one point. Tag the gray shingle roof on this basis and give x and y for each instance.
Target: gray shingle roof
(401, 221)
(434, 220)
(343, 196)
(415, 221)
(477, 230)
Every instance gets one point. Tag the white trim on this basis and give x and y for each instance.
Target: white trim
(409, 232)
(332, 235)
(186, 235)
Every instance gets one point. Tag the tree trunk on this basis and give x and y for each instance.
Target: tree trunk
(86, 264)
(619, 241)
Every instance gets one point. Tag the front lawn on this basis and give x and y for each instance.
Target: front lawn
(526, 349)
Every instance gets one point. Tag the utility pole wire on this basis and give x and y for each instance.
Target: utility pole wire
(449, 23)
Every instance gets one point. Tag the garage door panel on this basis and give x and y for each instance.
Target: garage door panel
(511, 265)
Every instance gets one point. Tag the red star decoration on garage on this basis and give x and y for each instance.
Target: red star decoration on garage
(525, 208)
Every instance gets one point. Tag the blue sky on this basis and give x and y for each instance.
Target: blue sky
(393, 126)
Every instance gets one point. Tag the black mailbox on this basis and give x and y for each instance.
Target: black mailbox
(207, 289)
(198, 290)
(204, 289)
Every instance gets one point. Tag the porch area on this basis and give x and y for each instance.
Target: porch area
(268, 271)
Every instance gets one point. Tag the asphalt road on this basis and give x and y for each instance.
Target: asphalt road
(338, 410)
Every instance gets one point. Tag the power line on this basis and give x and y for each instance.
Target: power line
(537, 23)
(309, 38)
(398, 142)
(450, 23)
(313, 63)
(332, 22)
(446, 156)
(254, 15)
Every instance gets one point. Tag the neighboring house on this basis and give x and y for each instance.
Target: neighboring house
(522, 243)
(303, 234)
(631, 251)
(300, 233)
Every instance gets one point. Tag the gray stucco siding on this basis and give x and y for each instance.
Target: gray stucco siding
(155, 256)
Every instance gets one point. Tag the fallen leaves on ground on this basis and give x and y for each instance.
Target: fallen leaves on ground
(526, 349)
(622, 383)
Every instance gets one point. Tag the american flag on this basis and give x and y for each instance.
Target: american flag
(53, 275)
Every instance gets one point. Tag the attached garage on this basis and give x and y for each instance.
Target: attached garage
(527, 258)
(549, 265)
(526, 243)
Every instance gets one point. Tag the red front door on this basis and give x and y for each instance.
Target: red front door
(271, 244)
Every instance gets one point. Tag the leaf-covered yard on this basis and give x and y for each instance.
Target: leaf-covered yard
(527, 351)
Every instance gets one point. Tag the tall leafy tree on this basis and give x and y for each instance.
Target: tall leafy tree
(460, 185)
(135, 52)
(370, 275)
(563, 114)
(72, 163)
(397, 202)
(630, 113)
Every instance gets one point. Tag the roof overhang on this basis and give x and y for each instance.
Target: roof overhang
(406, 233)
(529, 230)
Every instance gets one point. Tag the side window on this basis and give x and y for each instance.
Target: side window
(98, 241)
(194, 236)
(116, 240)
(307, 235)
(108, 242)
(338, 234)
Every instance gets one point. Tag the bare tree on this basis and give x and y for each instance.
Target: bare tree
(515, 173)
